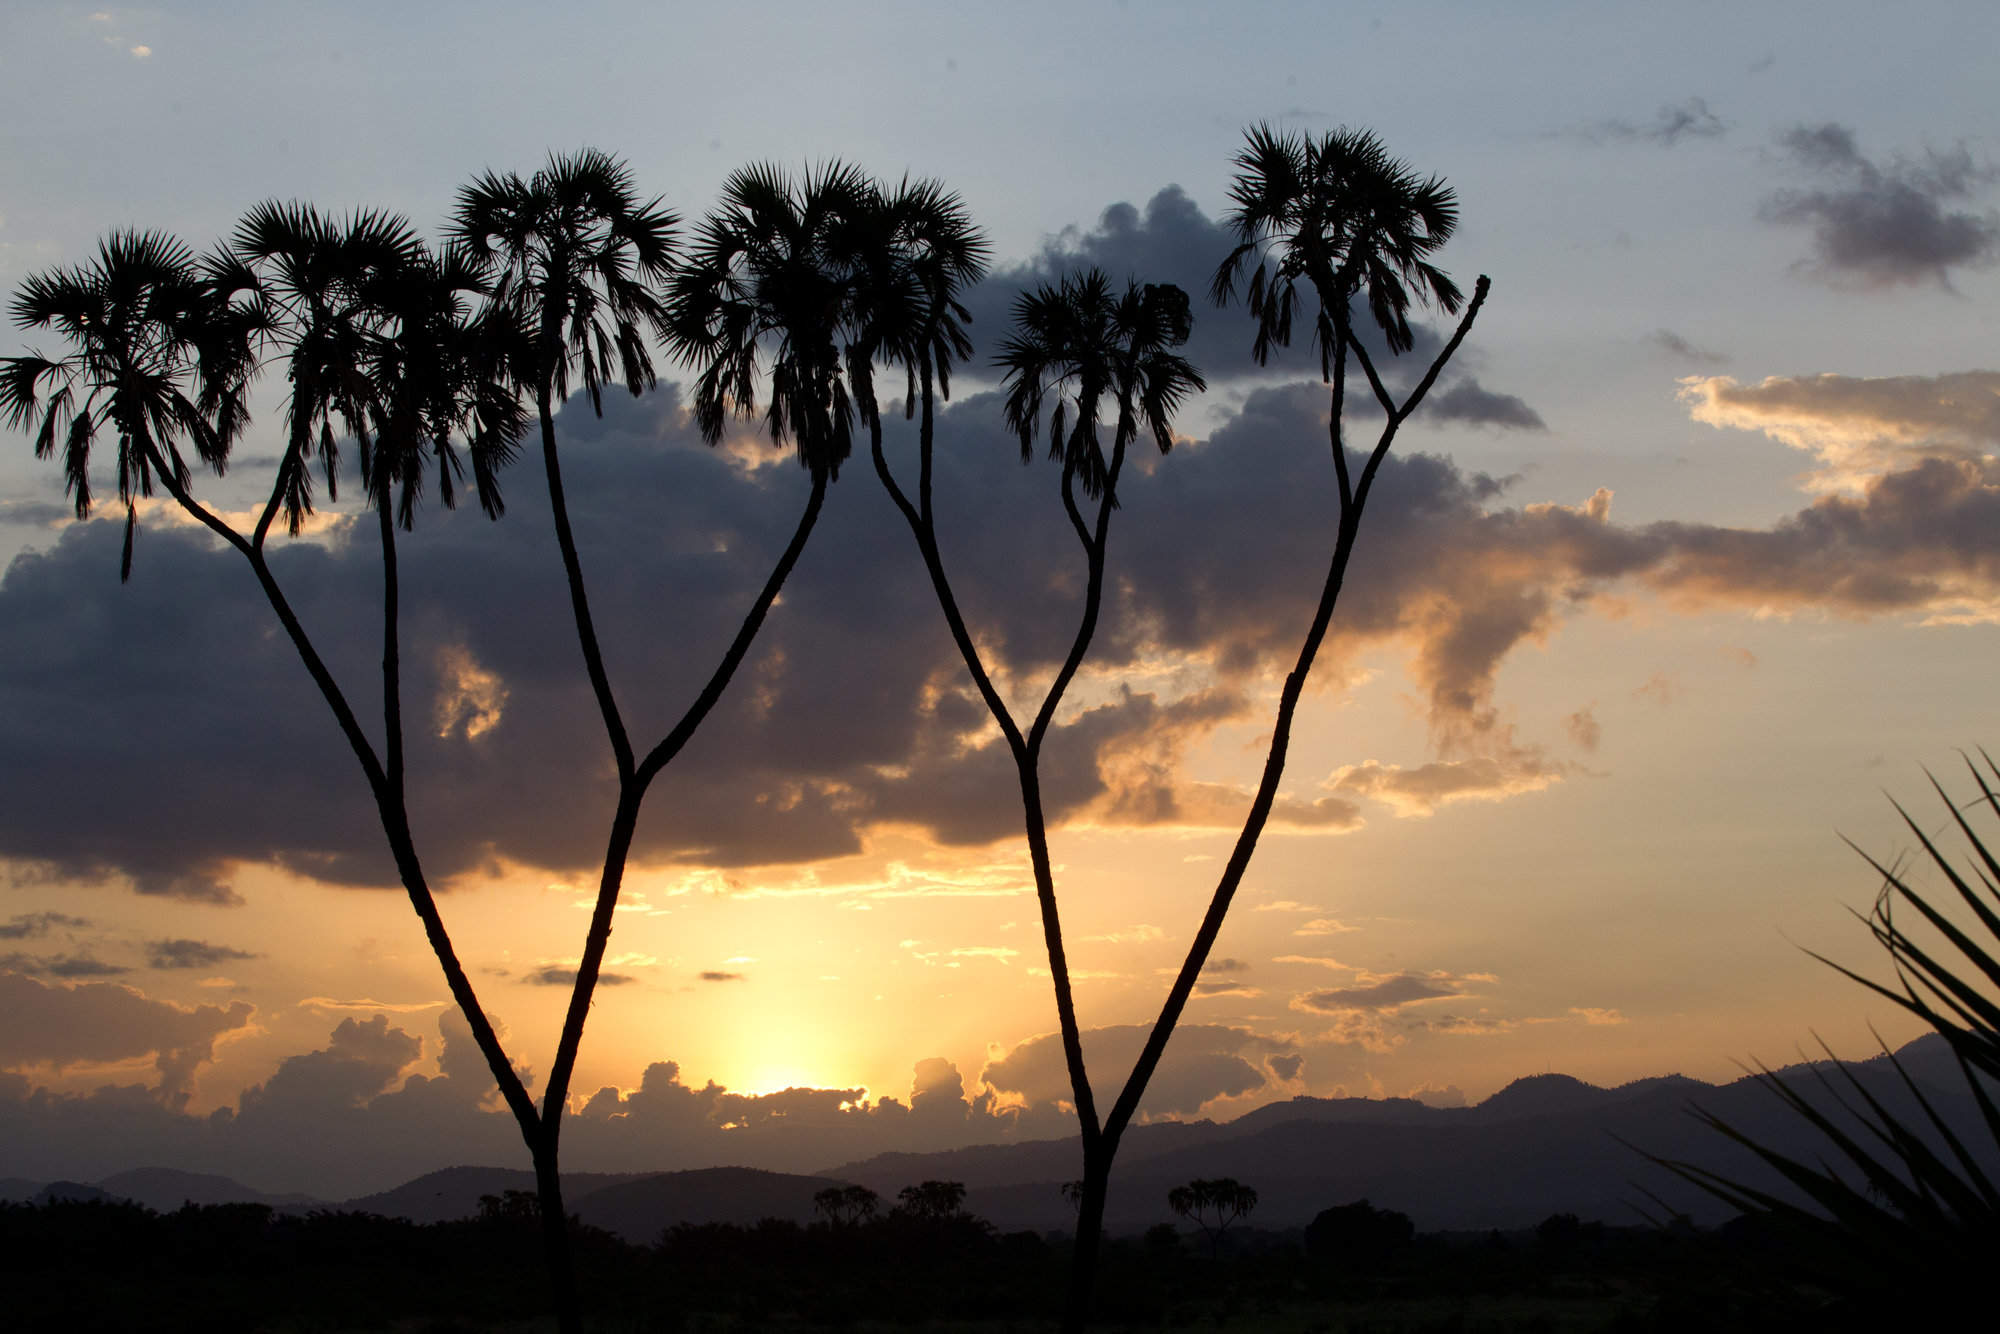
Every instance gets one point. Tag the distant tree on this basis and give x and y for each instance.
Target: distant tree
(1212, 1205)
(933, 1201)
(846, 1206)
(1358, 1235)
(510, 1206)
(1072, 1193)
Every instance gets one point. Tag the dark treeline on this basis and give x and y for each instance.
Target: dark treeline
(100, 1265)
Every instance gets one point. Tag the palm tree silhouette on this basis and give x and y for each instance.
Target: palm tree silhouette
(140, 322)
(781, 274)
(1343, 216)
(1337, 214)
(163, 347)
(1077, 351)
(590, 269)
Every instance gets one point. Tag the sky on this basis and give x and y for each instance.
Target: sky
(1691, 558)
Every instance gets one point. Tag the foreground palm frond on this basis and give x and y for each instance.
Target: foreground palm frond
(1905, 1210)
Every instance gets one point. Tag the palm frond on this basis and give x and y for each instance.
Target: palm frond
(1926, 1207)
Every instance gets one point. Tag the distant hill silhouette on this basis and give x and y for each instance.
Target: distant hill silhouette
(453, 1192)
(639, 1210)
(165, 1189)
(1545, 1144)
(75, 1192)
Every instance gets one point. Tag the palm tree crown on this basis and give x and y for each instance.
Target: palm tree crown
(314, 285)
(787, 264)
(931, 251)
(1079, 343)
(150, 355)
(581, 257)
(1342, 214)
(439, 373)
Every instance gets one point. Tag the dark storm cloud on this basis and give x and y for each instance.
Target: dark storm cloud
(1471, 404)
(1884, 223)
(1674, 123)
(171, 702)
(191, 954)
(1173, 241)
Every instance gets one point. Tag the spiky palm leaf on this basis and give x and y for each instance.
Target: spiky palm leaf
(1912, 1212)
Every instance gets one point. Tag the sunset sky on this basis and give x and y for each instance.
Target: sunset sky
(1693, 555)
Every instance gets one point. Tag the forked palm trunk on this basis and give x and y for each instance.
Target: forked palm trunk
(1089, 1236)
(635, 776)
(556, 1251)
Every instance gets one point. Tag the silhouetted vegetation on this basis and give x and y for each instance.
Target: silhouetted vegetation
(1898, 1221)
(1212, 1205)
(90, 1266)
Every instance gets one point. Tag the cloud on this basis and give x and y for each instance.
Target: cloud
(360, 1113)
(24, 926)
(1323, 926)
(1583, 729)
(1387, 992)
(191, 954)
(61, 965)
(1880, 224)
(853, 716)
(1451, 1095)
(1226, 966)
(1460, 1025)
(1859, 428)
(1468, 403)
(1671, 125)
(1131, 935)
(1681, 349)
(564, 975)
(1202, 1062)
(1170, 240)
(715, 975)
(1421, 790)
(106, 1021)
(362, 1059)
(1596, 1016)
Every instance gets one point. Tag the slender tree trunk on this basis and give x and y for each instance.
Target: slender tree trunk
(1089, 1235)
(556, 1250)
